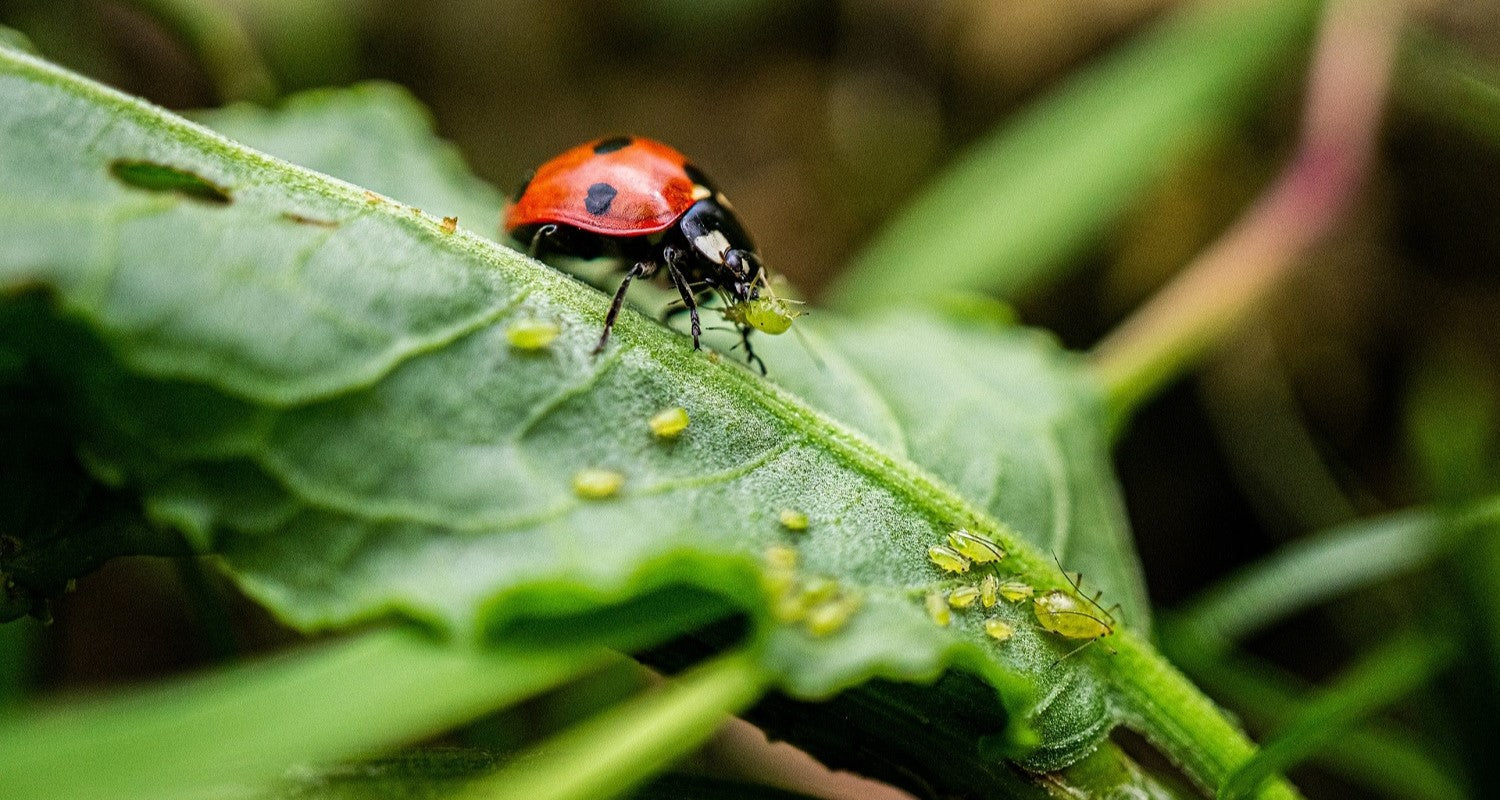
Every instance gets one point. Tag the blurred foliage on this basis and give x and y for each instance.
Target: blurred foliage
(1337, 463)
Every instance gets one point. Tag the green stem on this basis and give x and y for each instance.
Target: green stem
(1227, 283)
(621, 747)
(1179, 720)
(246, 726)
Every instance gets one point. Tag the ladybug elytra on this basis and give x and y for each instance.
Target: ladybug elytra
(643, 203)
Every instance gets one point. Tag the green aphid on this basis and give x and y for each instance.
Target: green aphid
(974, 547)
(998, 629)
(597, 484)
(792, 519)
(937, 609)
(830, 616)
(781, 557)
(532, 334)
(947, 559)
(989, 591)
(668, 423)
(963, 597)
(770, 315)
(1061, 613)
(1015, 590)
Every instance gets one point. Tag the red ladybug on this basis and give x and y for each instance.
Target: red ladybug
(643, 203)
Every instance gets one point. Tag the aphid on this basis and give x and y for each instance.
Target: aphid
(1065, 615)
(947, 559)
(974, 547)
(1015, 590)
(829, 617)
(766, 314)
(642, 203)
(963, 597)
(937, 608)
(781, 557)
(669, 423)
(597, 484)
(792, 519)
(787, 606)
(820, 590)
(989, 591)
(450, 224)
(779, 579)
(998, 629)
(532, 334)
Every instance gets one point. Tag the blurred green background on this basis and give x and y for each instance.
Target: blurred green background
(822, 120)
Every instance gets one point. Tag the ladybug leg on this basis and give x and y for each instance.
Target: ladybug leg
(673, 255)
(540, 238)
(641, 269)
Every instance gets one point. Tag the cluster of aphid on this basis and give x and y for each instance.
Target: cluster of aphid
(819, 604)
(596, 483)
(1056, 611)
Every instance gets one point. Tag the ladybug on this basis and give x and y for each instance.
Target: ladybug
(643, 203)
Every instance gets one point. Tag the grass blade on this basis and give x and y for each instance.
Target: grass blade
(1022, 204)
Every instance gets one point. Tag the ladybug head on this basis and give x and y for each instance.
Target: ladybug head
(745, 266)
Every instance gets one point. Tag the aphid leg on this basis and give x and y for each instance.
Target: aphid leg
(1071, 653)
(750, 356)
(539, 238)
(641, 269)
(673, 255)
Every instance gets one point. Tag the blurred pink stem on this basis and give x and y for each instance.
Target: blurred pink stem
(1346, 93)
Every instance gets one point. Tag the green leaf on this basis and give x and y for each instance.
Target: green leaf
(318, 385)
(1022, 205)
(1380, 679)
(219, 733)
(1316, 568)
(374, 135)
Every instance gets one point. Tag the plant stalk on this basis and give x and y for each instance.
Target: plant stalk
(1220, 290)
(625, 745)
(244, 727)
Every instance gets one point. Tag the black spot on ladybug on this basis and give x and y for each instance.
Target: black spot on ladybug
(696, 176)
(525, 184)
(612, 144)
(600, 196)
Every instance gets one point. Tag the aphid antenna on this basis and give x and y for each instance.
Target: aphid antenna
(1076, 579)
(1109, 626)
(1071, 653)
(812, 352)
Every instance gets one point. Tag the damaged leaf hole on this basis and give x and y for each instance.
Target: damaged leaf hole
(161, 178)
